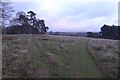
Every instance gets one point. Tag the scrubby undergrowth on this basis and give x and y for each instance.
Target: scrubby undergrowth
(105, 54)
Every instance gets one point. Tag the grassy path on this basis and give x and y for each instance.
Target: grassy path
(81, 62)
(77, 63)
(41, 61)
(48, 57)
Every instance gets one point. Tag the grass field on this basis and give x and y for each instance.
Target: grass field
(45, 56)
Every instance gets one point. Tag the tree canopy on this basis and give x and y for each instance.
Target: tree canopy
(24, 23)
(107, 32)
(110, 32)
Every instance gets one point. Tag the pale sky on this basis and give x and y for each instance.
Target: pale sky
(72, 15)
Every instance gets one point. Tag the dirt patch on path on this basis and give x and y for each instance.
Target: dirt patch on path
(43, 72)
(53, 60)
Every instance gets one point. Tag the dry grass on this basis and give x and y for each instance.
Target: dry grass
(57, 56)
(105, 53)
(16, 60)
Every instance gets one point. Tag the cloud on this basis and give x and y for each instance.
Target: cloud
(66, 0)
(72, 15)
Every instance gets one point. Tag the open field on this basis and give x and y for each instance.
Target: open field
(45, 56)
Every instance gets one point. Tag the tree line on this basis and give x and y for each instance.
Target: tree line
(107, 32)
(24, 23)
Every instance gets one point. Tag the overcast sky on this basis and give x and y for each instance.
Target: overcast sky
(72, 15)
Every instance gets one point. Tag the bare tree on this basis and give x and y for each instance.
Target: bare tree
(6, 12)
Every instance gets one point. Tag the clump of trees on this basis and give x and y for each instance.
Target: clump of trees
(110, 32)
(94, 35)
(107, 32)
(26, 24)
